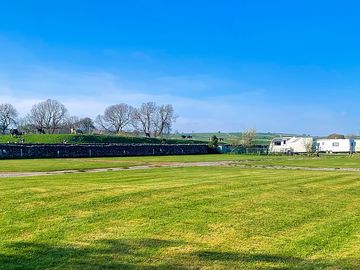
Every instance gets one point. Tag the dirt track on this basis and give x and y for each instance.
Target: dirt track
(277, 167)
(175, 165)
(142, 167)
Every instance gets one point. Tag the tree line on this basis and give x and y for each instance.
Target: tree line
(51, 116)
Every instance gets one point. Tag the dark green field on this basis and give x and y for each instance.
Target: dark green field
(181, 218)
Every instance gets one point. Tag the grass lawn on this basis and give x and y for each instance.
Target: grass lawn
(182, 218)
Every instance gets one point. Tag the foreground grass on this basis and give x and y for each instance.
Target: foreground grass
(182, 218)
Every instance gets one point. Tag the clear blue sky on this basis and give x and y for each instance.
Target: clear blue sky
(281, 66)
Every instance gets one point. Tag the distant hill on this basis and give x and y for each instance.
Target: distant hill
(261, 139)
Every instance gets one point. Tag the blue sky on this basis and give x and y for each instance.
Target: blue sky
(280, 66)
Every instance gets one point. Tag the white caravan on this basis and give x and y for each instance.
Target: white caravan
(357, 146)
(335, 145)
(291, 145)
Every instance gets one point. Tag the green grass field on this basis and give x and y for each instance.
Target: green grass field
(181, 218)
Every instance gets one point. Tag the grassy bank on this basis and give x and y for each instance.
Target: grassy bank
(79, 139)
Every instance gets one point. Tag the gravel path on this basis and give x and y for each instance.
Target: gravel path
(176, 165)
(278, 167)
(141, 167)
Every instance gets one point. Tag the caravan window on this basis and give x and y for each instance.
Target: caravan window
(335, 144)
(278, 143)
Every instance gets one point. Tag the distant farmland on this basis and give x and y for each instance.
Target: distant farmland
(261, 139)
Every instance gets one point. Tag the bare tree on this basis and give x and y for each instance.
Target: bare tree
(116, 117)
(100, 123)
(70, 122)
(154, 120)
(86, 125)
(164, 119)
(248, 136)
(308, 144)
(8, 115)
(48, 115)
(24, 125)
(145, 117)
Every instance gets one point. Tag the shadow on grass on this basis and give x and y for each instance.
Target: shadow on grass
(104, 254)
(145, 254)
(263, 261)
